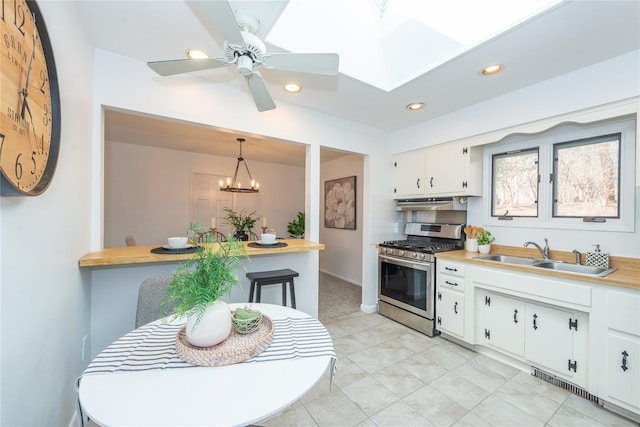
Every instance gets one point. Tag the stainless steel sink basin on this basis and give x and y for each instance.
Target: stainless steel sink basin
(549, 264)
(508, 259)
(576, 268)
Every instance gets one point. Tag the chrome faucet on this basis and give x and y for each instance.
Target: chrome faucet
(578, 255)
(544, 252)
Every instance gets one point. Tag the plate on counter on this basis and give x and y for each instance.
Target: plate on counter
(259, 244)
(182, 248)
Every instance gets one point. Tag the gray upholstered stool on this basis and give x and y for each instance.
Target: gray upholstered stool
(273, 277)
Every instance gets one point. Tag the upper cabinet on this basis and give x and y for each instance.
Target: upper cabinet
(408, 175)
(440, 171)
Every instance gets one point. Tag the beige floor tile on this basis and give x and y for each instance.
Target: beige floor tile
(472, 420)
(394, 349)
(460, 390)
(502, 369)
(436, 407)
(500, 413)
(596, 412)
(532, 395)
(371, 336)
(348, 372)
(445, 356)
(370, 395)
(399, 414)
(398, 380)
(370, 360)
(335, 409)
(480, 376)
(348, 344)
(423, 367)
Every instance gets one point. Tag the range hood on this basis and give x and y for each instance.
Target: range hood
(433, 204)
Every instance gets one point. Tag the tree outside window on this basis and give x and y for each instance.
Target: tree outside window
(515, 183)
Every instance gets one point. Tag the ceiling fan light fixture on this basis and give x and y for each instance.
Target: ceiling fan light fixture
(292, 88)
(232, 185)
(492, 69)
(196, 54)
(415, 106)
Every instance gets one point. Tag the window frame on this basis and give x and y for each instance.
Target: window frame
(545, 141)
(513, 153)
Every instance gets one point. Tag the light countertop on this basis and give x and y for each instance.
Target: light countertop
(143, 254)
(627, 275)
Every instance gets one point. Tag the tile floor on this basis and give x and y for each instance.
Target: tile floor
(390, 375)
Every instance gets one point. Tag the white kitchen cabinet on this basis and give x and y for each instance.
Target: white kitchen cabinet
(408, 175)
(450, 299)
(503, 320)
(549, 339)
(622, 360)
(453, 170)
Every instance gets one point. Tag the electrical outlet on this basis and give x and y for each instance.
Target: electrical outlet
(85, 341)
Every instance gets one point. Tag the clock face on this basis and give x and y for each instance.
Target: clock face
(29, 101)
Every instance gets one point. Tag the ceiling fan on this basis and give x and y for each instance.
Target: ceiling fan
(243, 48)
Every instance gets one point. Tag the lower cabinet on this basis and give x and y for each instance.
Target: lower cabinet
(622, 361)
(546, 337)
(450, 318)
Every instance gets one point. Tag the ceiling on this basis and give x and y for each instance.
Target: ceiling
(569, 36)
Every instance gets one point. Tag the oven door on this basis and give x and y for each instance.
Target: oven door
(407, 285)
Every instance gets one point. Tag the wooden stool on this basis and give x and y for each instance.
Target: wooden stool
(273, 277)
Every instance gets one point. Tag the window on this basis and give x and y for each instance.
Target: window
(515, 183)
(586, 178)
(572, 176)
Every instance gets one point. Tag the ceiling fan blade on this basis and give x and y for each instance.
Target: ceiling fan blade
(179, 66)
(218, 18)
(315, 63)
(259, 92)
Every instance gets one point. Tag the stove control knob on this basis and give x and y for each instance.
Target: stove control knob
(423, 256)
(389, 251)
(401, 253)
(415, 255)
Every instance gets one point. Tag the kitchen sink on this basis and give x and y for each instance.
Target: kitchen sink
(549, 264)
(509, 259)
(576, 268)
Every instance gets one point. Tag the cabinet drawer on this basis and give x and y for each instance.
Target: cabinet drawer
(451, 282)
(445, 267)
(622, 312)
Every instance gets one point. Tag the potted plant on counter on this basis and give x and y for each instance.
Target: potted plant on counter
(484, 242)
(197, 286)
(296, 227)
(242, 222)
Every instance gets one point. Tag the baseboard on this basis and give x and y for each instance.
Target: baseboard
(369, 308)
(340, 277)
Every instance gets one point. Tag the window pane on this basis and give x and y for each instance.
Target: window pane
(587, 176)
(515, 183)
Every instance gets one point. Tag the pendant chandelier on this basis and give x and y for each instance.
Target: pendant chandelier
(233, 185)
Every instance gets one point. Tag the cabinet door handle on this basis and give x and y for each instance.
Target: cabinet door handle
(624, 360)
(418, 183)
(455, 307)
(451, 269)
(439, 296)
(450, 283)
(431, 182)
(515, 316)
(535, 318)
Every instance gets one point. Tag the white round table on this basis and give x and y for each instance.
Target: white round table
(238, 394)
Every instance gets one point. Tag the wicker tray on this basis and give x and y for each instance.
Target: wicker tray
(235, 349)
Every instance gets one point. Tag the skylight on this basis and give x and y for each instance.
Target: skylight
(387, 43)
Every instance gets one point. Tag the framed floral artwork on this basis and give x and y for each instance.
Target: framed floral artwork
(340, 203)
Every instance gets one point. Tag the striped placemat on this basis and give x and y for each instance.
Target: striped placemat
(152, 347)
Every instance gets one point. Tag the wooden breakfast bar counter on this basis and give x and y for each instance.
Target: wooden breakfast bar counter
(116, 274)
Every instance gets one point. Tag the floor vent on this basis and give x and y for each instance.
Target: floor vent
(552, 379)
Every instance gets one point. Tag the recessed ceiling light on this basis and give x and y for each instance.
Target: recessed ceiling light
(292, 88)
(492, 69)
(415, 106)
(196, 54)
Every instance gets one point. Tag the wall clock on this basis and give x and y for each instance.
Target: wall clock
(29, 101)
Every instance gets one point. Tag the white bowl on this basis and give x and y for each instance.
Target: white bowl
(267, 238)
(177, 242)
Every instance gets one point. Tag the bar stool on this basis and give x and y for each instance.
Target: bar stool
(273, 277)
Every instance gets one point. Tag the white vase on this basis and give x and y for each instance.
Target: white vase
(484, 249)
(214, 327)
(471, 245)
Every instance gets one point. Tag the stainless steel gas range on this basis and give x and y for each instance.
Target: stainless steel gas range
(406, 273)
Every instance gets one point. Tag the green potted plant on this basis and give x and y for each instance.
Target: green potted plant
(241, 222)
(197, 286)
(296, 227)
(484, 242)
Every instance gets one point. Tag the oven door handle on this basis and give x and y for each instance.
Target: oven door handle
(424, 266)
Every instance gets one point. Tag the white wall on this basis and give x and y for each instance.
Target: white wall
(134, 205)
(596, 85)
(44, 296)
(343, 254)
